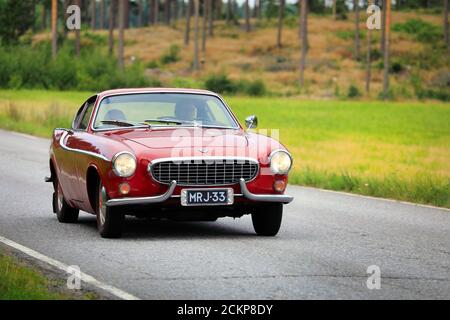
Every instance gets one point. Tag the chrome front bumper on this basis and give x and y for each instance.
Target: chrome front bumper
(161, 198)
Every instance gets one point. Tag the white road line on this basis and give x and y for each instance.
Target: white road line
(355, 195)
(55, 263)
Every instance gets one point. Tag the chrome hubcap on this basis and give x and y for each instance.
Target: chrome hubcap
(102, 205)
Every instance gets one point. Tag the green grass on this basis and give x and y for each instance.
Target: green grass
(18, 282)
(398, 150)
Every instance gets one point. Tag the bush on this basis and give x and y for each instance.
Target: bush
(172, 55)
(353, 92)
(220, 83)
(423, 31)
(33, 68)
(254, 88)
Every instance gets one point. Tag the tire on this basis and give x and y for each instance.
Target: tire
(64, 212)
(109, 220)
(267, 220)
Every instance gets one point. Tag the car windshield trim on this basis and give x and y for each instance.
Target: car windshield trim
(140, 126)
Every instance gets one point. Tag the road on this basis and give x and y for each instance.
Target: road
(327, 242)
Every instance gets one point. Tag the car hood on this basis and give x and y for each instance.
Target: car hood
(185, 137)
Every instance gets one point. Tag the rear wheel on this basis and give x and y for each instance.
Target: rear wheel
(109, 221)
(64, 212)
(267, 220)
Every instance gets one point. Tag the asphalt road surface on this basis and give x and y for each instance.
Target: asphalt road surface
(327, 242)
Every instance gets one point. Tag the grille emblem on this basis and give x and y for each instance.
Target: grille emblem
(203, 150)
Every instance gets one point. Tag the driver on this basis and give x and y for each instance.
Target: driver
(185, 111)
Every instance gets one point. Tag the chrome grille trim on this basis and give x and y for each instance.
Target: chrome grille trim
(204, 171)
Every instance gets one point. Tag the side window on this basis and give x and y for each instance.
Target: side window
(78, 116)
(83, 124)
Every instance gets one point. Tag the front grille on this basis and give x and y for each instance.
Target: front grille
(201, 172)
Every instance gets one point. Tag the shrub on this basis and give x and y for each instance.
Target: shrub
(423, 31)
(172, 55)
(254, 88)
(220, 83)
(353, 92)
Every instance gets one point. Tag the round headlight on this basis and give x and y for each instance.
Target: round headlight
(124, 164)
(280, 162)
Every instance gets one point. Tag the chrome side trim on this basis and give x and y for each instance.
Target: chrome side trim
(89, 153)
(264, 197)
(143, 200)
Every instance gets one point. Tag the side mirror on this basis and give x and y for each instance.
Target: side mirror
(251, 122)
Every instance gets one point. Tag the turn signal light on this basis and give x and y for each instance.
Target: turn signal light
(124, 188)
(279, 185)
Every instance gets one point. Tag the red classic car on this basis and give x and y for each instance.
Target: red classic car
(166, 153)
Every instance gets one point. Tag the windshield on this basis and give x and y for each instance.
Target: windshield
(163, 109)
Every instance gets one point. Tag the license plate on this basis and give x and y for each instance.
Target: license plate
(207, 197)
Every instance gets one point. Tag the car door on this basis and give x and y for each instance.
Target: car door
(74, 141)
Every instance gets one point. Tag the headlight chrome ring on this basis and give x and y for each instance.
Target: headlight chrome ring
(280, 161)
(124, 164)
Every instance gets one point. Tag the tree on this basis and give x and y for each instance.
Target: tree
(334, 9)
(140, 9)
(151, 8)
(303, 38)
(196, 13)
(102, 14)
(383, 23)
(15, 19)
(211, 17)
(126, 12)
(112, 7)
(369, 58)
(93, 14)
(280, 22)
(122, 13)
(357, 38)
(188, 23)
(204, 26)
(166, 11)
(387, 28)
(247, 16)
(54, 28)
(446, 36)
(77, 34)
(156, 12)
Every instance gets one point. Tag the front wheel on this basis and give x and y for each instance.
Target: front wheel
(267, 220)
(109, 221)
(64, 212)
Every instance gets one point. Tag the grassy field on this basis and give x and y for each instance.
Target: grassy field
(20, 282)
(398, 150)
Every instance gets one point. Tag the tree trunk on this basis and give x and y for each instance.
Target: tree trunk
(280, 22)
(383, 23)
(187, 30)
(166, 11)
(112, 7)
(446, 36)
(151, 6)
(139, 17)
(44, 17)
(156, 12)
(218, 9)
(247, 16)
(122, 13)
(54, 28)
(334, 9)
(77, 34)
(357, 38)
(211, 18)
(93, 14)
(369, 58)
(196, 13)
(204, 24)
(102, 14)
(126, 12)
(387, 28)
(303, 39)
(229, 9)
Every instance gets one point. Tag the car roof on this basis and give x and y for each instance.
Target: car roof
(153, 90)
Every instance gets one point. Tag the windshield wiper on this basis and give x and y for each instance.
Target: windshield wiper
(178, 122)
(123, 123)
